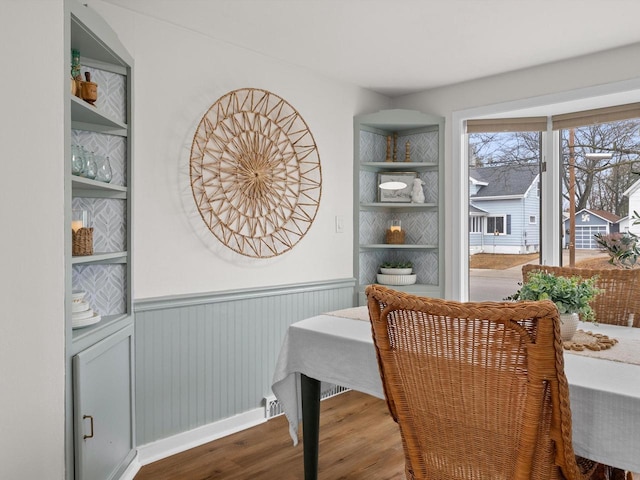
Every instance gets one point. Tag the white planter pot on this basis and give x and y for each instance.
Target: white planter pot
(385, 279)
(396, 271)
(568, 325)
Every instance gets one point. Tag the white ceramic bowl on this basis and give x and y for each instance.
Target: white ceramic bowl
(396, 279)
(82, 315)
(79, 306)
(77, 296)
(85, 322)
(396, 271)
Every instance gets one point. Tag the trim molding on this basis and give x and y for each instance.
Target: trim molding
(189, 300)
(181, 442)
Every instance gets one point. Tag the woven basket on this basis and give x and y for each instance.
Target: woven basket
(82, 240)
(395, 237)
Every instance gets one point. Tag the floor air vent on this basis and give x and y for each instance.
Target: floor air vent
(272, 407)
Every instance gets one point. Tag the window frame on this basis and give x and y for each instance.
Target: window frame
(457, 207)
(487, 231)
(476, 222)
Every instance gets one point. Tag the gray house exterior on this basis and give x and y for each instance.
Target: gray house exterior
(504, 209)
(588, 223)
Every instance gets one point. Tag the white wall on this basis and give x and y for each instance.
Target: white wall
(31, 240)
(179, 75)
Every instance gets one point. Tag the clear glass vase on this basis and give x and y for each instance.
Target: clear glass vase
(76, 160)
(103, 165)
(89, 169)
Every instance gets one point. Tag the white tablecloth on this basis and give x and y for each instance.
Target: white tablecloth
(605, 395)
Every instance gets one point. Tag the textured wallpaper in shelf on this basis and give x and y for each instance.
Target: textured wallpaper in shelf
(111, 146)
(425, 264)
(421, 227)
(108, 219)
(423, 147)
(106, 287)
(369, 186)
(112, 89)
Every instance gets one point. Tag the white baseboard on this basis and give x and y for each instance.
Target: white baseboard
(166, 447)
(132, 469)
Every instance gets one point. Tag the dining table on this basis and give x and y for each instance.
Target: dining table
(336, 348)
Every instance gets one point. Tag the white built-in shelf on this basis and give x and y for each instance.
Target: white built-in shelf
(85, 336)
(399, 246)
(87, 117)
(400, 166)
(86, 187)
(98, 257)
(396, 206)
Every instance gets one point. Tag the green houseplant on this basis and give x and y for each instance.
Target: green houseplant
(398, 264)
(572, 296)
(398, 272)
(403, 265)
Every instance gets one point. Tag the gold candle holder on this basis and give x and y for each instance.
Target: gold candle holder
(81, 234)
(395, 234)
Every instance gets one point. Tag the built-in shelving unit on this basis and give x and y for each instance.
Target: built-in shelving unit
(99, 357)
(421, 222)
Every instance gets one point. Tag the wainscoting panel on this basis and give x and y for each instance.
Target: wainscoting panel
(203, 358)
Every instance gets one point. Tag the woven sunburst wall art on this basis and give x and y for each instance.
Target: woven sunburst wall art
(255, 173)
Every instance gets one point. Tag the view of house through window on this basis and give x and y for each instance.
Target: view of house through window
(600, 174)
(504, 173)
(605, 163)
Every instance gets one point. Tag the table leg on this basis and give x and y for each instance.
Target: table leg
(310, 425)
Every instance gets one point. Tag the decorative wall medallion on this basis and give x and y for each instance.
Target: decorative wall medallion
(255, 173)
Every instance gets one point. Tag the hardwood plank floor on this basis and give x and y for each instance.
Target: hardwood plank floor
(358, 441)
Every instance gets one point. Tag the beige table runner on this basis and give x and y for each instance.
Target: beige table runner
(625, 350)
(354, 313)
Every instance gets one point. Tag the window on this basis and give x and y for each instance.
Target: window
(475, 224)
(532, 220)
(498, 225)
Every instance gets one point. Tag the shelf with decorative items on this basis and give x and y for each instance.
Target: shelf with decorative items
(397, 198)
(100, 166)
(392, 166)
(98, 260)
(100, 241)
(90, 118)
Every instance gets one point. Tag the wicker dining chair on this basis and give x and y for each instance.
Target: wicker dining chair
(619, 304)
(478, 389)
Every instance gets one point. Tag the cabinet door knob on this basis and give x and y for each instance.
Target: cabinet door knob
(90, 417)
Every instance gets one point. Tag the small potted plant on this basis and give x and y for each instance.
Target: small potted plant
(572, 296)
(401, 267)
(396, 273)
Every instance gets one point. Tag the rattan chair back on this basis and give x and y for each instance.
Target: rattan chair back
(477, 389)
(620, 302)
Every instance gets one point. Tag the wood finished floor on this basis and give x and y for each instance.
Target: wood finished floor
(358, 441)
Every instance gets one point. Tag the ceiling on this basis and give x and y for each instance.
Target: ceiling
(396, 47)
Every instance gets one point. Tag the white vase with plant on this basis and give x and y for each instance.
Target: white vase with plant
(397, 268)
(396, 273)
(572, 296)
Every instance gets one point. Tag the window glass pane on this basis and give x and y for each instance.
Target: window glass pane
(491, 224)
(600, 162)
(504, 178)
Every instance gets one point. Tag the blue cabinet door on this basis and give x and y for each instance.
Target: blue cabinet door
(103, 413)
